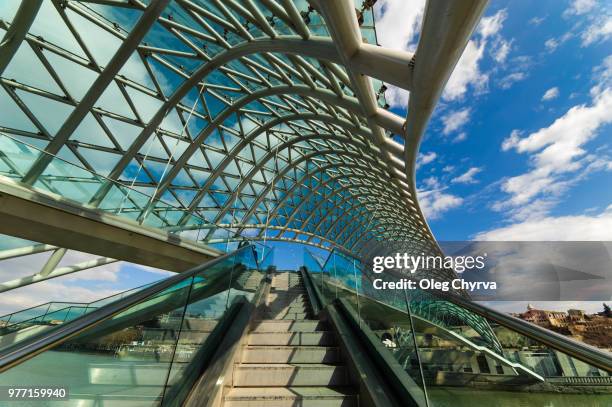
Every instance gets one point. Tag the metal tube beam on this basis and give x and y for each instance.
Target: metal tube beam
(52, 262)
(340, 19)
(125, 51)
(314, 47)
(446, 29)
(25, 16)
(269, 156)
(57, 272)
(300, 183)
(254, 134)
(26, 251)
(325, 95)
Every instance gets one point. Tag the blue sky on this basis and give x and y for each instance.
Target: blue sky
(519, 145)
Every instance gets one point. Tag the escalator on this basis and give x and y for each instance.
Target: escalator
(147, 347)
(235, 332)
(454, 349)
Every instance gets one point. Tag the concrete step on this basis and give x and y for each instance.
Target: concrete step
(321, 338)
(291, 397)
(279, 325)
(287, 301)
(290, 354)
(279, 305)
(289, 293)
(288, 309)
(284, 295)
(286, 315)
(262, 375)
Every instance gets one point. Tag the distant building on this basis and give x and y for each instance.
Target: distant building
(547, 319)
(594, 329)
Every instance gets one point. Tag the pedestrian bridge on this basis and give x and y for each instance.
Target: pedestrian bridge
(193, 136)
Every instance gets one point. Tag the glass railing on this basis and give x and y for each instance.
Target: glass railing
(93, 190)
(146, 353)
(20, 325)
(454, 354)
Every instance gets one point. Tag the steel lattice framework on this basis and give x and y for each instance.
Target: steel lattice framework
(266, 117)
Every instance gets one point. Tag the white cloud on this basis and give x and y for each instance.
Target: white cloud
(467, 177)
(578, 7)
(574, 128)
(460, 137)
(431, 182)
(491, 25)
(507, 81)
(551, 44)
(574, 228)
(537, 20)
(436, 202)
(455, 120)
(557, 153)
(502, 51)
(551, 94)
(599, 30)
(425, 158)
(467, 73)
(396, 97)
(536, 209)
(604, 71)
(398, 22)
(512, 140)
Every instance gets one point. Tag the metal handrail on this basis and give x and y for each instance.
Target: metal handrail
(29, 348)
(581, 351)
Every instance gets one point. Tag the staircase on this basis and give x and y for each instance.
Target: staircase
(291, 359)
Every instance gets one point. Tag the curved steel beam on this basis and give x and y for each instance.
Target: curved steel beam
(353, 206)
(342, 25)
(431, 246)
(374, 232)
(324, 184)
(445, 32)
(269, 155)
(327, 96)
(254, 134)
(361, 220)
(337, 191)
(295, 163)
(300, 183)
(280, 228)
(316, 47)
